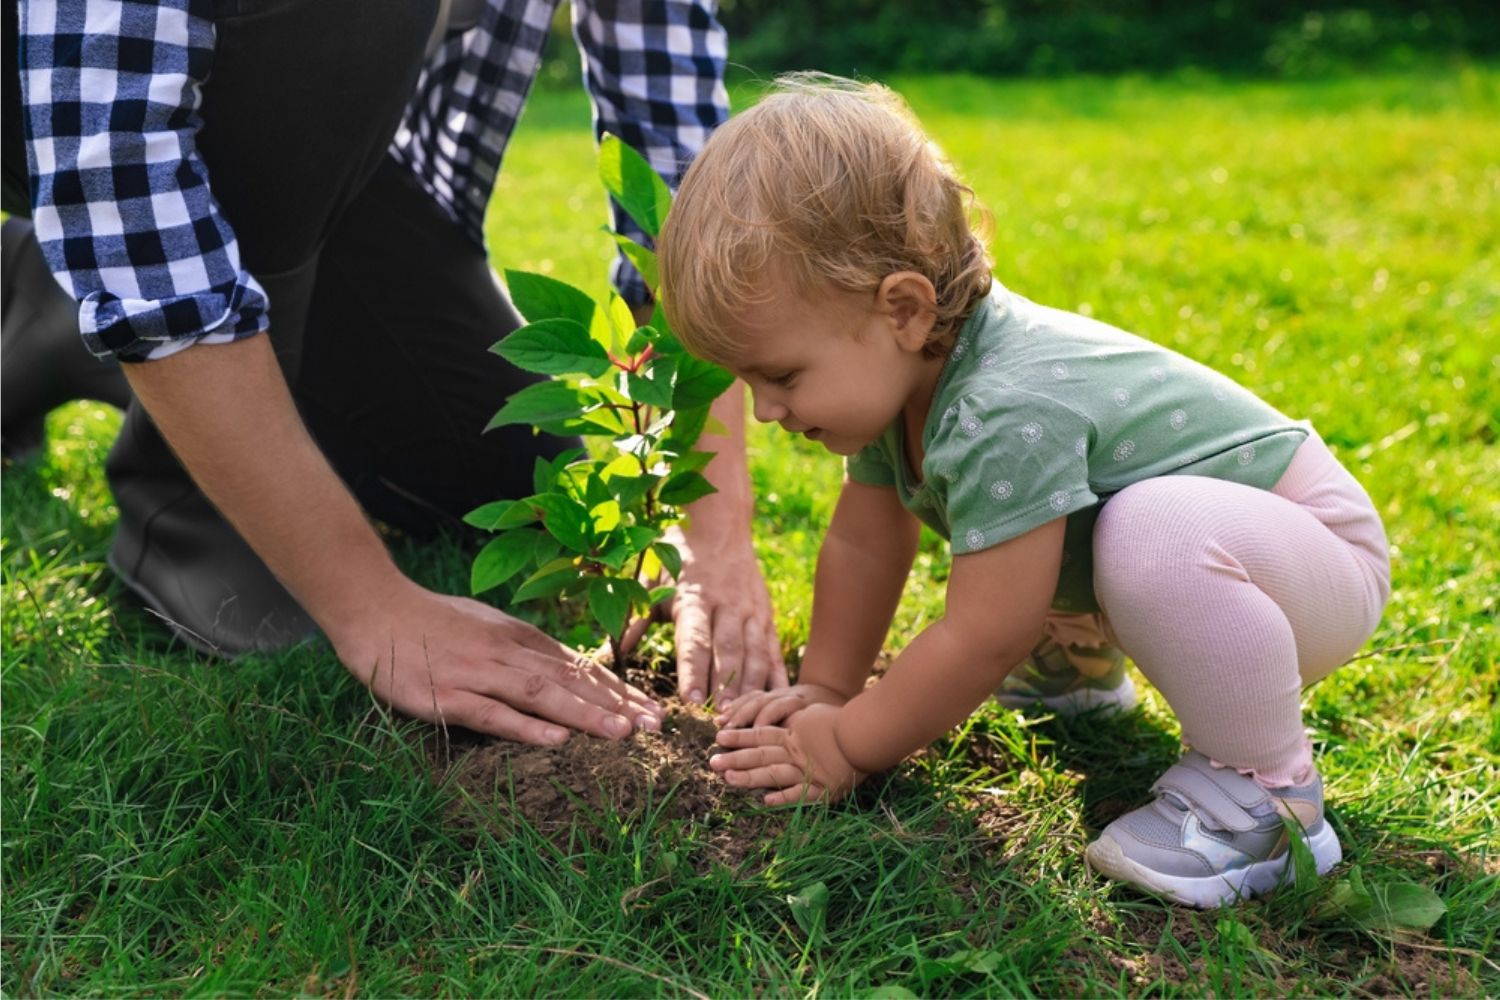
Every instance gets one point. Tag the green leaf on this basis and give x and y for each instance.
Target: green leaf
(605, 420)
(685, 487)
(666, 341)
(890, 991)
(687, 429)
(623, 467)
(653, 384)
(538, 297)
(542, 403)
(545, 586)
(639, 189)
(1304, 868)
(610, 604)
(1386, 907)
(642, 536)
(1408, 906)
(809, 908)
(566, 520)
(692, 461)
(659, 594)
(1233, 934)
(502, 559)
(622, 320)
(555, 347)
(670, 558)
(543, 476)
(606, 516)
(699, 382)
(628, 491)
(547, 549)
(640, 340)
(550, 579)
(643, 259)
(486, 517)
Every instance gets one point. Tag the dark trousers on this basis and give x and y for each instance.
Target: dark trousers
(381, 313)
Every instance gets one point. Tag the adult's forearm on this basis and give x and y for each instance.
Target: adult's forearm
(726, 513)
(227, 412)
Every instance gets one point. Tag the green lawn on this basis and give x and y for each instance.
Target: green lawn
(174, 825)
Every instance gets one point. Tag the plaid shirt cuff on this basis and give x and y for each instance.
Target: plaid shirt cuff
(120, 196)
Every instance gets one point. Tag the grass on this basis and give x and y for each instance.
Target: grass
(176, 825)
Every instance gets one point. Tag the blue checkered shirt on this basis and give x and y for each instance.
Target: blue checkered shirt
(121, 199)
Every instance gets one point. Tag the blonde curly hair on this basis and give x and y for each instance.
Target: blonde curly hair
(826, 181)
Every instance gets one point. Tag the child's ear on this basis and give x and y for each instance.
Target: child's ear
(910, 302)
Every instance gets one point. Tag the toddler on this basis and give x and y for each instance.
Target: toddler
(1096, 489)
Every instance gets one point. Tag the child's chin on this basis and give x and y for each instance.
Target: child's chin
(840, 447)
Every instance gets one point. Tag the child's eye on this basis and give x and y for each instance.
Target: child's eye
(784, 380)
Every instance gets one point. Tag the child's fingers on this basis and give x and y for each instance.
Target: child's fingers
(741, 710)
(781, 776)
(740, 760)
(736, 739)
(778, 710)
(800, 793)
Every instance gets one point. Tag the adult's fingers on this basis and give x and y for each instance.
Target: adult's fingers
(757, 656)
(584, 678)
(543, 696)
(695, 650)
(778, 678)
(495, 718)
(634, 632)
(729, 654)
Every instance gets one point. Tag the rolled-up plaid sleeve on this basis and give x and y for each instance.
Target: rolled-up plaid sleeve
(121, 202)
(655, 70)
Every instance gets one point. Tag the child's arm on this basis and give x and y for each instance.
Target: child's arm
(862, 568)
(997, 600)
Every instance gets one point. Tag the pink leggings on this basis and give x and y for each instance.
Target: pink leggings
(1231, 600)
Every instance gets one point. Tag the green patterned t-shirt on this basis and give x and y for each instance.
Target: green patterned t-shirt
(1041, 414)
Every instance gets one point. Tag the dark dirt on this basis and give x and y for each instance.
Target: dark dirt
(590, 784)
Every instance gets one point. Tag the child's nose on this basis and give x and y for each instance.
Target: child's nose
(766, 410)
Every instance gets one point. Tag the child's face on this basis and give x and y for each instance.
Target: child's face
(838, 369)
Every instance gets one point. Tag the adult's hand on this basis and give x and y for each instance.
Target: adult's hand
(226, 411)
(454, 661)
(726, 628)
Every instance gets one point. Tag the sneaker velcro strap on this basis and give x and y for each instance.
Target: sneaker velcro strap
(1222, 794)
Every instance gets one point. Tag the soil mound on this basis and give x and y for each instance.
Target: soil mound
(590, 785)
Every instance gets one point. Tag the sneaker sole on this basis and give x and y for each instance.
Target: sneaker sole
(1111, 701)
(1105, 856)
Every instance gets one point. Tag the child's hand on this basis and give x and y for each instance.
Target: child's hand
(801, 763)
(767, 708)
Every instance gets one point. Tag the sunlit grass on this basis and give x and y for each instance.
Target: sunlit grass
(174, 825)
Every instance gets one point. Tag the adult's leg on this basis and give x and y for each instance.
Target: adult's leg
(43, 362)
(303, 99)
(397, 378)
(1232, 599)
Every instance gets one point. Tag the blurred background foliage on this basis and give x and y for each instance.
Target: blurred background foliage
(1283, 38)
